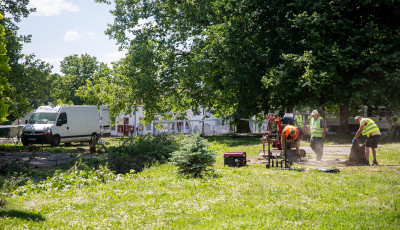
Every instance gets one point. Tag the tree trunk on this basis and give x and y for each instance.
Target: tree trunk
(243, 127)
(344, 117)
(321, 112)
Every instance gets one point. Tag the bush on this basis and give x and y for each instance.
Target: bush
(135, 154)
(194, 159)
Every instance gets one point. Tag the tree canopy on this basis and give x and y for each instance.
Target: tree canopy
(28, 78)
(76, 71)
(4, 68)
(241, 57)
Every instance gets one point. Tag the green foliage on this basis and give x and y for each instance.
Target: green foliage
(3, 202)
(78, 176)
(193, 158)
(4, 68)
(28, 77)
(190, 53)
(223, 55)
(13, 182)
(341, 46)
(77, 70)
(11, 167)
(239, 198)
(355, 198)
(135, 154)
(97, 89)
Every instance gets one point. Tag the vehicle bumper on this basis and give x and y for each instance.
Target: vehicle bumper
(37, 139)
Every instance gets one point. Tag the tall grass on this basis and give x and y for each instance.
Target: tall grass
(250, 197)
(238, 198)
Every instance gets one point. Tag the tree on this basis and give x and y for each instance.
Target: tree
(98, 88)
(27, 78)
(349, 55)
(193, 159)
(4, 68)
(188, 55)
(240, 57)
(77, 70)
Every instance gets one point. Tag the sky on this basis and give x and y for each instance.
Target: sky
(61, 28)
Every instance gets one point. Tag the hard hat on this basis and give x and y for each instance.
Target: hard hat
(314, 112)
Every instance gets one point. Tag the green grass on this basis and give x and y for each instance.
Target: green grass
(250, 197)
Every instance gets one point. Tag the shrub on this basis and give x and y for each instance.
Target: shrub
(136, 153)
(194, 159)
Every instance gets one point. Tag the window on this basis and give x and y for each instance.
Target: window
(62, 119)
(43, 118)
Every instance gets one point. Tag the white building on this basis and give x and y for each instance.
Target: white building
(133, 125)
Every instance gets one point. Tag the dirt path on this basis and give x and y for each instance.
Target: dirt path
(334, 156)
(35, 158)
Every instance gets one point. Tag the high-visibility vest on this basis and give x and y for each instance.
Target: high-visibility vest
(316, 129)
(299, 121)
(286, 132)
(369, 127)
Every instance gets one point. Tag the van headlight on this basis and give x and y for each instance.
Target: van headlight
(46, 131)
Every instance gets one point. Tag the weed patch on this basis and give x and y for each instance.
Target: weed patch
(78, 176)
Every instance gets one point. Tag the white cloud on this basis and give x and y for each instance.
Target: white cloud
(112, 56)
(72, 36)
(50, 8)
(55, 62)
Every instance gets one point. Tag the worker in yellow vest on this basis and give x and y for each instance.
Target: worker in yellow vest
(298, 119)
(368, 128)
(318, 133)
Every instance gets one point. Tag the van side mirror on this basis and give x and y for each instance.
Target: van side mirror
(26, 122)
(59, 122)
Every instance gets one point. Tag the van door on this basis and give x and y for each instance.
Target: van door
(62, 127)
(105, 121)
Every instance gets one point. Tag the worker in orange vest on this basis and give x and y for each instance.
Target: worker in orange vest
(291, 134)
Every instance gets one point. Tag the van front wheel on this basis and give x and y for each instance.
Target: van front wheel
(55, 142)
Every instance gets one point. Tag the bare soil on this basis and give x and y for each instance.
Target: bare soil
(334, 156)
(35, 158)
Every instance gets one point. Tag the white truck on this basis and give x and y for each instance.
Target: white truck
(66, 124)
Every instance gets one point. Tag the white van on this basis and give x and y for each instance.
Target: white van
(65, 124)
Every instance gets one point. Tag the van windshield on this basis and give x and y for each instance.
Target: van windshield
(43, 118)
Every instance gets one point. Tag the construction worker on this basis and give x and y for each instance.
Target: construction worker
(318, 133)
(290, 134)
(298, 119)
(368, 128)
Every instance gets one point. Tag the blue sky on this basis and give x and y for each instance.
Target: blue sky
(61, 28)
